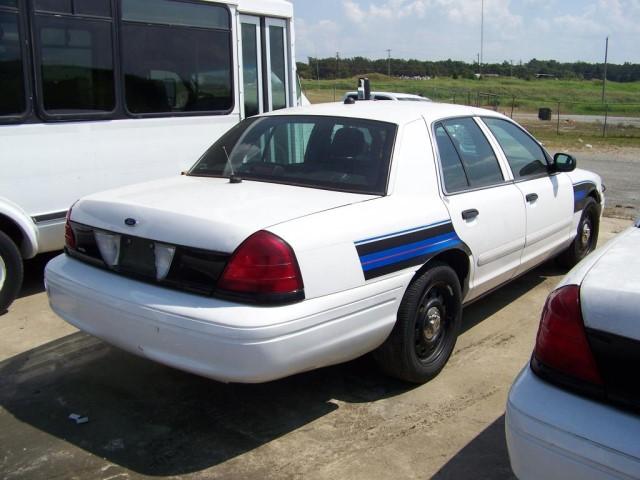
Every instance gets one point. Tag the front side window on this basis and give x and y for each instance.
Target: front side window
(526, 158)
(12, 80)
(348, 155)
(75, 56)
(176, 57)
(479, 162)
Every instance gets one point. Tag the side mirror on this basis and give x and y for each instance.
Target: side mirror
(563, 162)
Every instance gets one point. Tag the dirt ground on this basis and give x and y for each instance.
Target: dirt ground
(348, 421)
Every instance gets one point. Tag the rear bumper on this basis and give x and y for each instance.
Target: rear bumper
(553, 434)
(221, 340)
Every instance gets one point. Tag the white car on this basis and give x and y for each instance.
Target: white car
(394, 96)
(312, 236)
(573, 413)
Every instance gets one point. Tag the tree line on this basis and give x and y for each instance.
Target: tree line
(330, 68)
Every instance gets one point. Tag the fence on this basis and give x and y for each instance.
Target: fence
(569, 118)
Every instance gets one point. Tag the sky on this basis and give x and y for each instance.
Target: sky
(563, 30)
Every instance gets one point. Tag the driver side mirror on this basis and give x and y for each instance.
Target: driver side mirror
(563, 162)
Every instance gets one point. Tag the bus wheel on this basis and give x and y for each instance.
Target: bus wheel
(10, 272)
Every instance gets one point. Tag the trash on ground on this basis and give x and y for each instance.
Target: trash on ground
(79, 419)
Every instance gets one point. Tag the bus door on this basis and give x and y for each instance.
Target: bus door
(265, 64)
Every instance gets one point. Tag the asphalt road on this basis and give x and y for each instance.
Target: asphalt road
(348, 421)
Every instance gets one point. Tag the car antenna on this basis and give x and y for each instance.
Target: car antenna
(233, 178)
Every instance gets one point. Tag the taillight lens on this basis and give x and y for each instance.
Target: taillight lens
(69, 236)
(263, 267)
(561, 346)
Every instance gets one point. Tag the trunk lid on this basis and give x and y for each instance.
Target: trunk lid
(206, 213)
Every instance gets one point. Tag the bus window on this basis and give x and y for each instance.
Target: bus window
(74, 61)
(277, 56)
(13, 97)
(251, 67)
(176, 57)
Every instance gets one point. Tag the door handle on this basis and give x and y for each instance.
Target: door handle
(532, 197)
(470, 214)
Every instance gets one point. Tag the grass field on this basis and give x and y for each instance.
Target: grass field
(575, 97)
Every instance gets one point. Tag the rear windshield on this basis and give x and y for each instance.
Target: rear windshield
(344, 154)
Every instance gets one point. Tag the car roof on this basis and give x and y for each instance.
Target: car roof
(399, 113)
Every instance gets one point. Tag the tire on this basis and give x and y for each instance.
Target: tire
(426, 328)
(586, 237)
(11, 272)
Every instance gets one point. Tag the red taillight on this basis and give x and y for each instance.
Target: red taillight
(69, 236)
(562, 344)
(263, 265)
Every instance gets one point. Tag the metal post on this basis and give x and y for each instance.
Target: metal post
(558, 126)
(606, 61)
(481, 38)
(606, 118)
(388, 62)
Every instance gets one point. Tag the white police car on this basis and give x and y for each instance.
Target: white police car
(573, 412)
(309, 237)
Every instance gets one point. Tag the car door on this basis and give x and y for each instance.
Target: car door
(486, 208)
(548, 197)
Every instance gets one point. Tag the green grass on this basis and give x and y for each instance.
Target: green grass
(575, 97)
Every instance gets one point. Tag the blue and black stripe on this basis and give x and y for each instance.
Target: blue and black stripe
(396, 251)
(581, 192)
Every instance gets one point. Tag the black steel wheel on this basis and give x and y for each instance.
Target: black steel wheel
(586, 238)
(426, 328)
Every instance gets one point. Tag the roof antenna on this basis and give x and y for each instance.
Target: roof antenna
(233, 178)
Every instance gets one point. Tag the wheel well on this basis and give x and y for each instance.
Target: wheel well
(596, 196)
(12, 230)
(456, 259)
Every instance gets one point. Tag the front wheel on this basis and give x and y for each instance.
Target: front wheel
(586, 237)
(10, 272)
(426, 328)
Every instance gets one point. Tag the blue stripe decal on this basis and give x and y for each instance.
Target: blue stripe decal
(404, 232)
(406, 252)
(579, 195)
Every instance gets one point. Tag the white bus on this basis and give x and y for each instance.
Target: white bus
(96, 94)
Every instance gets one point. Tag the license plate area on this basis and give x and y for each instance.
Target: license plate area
(137, 256)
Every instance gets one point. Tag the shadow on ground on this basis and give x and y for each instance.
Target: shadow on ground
(157, 421)
(33, 282)
(485, 457)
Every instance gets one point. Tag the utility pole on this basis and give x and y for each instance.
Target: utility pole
(389, 62)
(337, 63)
(604, 80)
(317, 67)
(479, 67)
(481, 58)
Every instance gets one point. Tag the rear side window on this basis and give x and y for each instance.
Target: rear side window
(12, 86)
(526, 158)
(350, 155)
(465, 150)
(176, 57)
(74, 56)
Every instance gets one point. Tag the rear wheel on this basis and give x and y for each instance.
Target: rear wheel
(426, 328)
(586, 236)
(10, 272)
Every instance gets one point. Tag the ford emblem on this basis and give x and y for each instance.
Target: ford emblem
(131, 222)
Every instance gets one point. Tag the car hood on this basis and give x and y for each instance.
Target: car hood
(208, 213)
(610, 292)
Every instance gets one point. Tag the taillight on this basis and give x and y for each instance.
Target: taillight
(264, 269)
(69, 236)
(562, 350)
